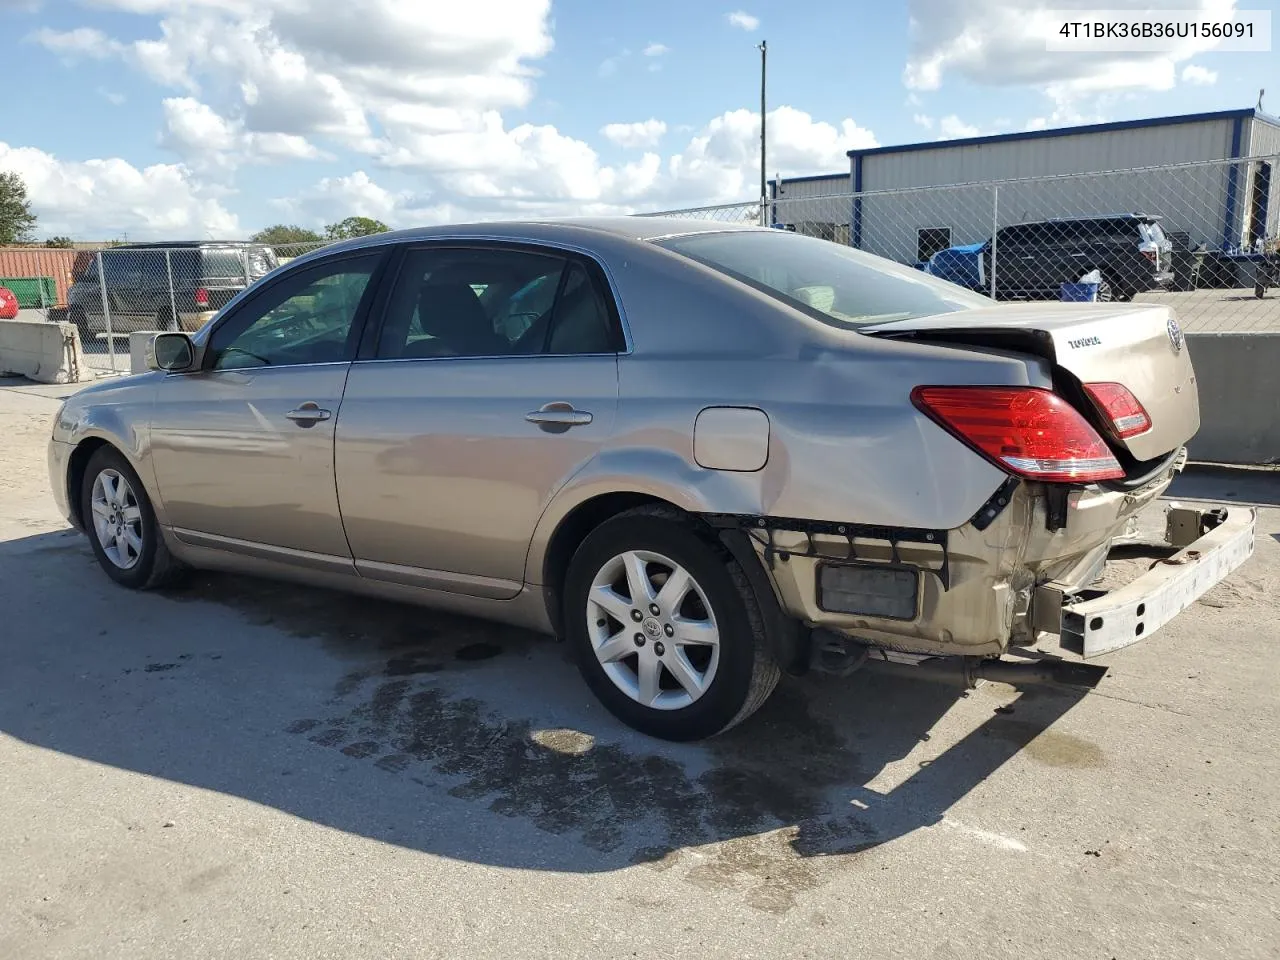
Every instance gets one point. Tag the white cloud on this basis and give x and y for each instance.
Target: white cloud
(102, 199)
(743, 20)
(609, 66)
(310, 67)
(656, 50)
(536, 171)
(78, 43)
(1001, 43)
(420, 94)
(952, 127)
(645, 133)
(333, 198)
(211, 143)
(922, 120)
(1200, 76)
(111, 96)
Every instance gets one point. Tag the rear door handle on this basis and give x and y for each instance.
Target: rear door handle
(308, 414)
(559, 414)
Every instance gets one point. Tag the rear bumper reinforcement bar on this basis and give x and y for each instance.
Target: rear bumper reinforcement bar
(1138, 609)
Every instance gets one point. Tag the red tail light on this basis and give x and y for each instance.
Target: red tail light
(1027, 431)
(1126, 415)
(202, 297)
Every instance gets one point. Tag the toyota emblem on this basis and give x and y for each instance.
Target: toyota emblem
(1175, 335)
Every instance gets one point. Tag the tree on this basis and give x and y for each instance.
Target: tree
(61, 243)
(354, 227)
(16, 219)
(283, 233)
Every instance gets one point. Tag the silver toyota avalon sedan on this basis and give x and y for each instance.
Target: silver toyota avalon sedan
(703, 454)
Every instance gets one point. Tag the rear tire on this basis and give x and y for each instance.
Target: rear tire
(166, 321)
(121, 524)
(681, 664)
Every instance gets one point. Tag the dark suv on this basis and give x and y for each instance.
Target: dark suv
(162, 286)
(1033, 260)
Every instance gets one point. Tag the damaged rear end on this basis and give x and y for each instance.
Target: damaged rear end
(1086, 460)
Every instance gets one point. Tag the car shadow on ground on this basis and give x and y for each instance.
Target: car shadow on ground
(469, 740)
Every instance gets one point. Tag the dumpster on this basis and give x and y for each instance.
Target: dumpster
(32, 291)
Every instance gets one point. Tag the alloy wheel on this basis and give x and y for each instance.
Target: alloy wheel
(117, 519)
(653, 630)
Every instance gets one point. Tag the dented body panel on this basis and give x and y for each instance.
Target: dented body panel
(992, 572)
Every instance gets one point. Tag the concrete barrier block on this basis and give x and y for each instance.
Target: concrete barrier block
(138, 341)
(42, 351)
(1236, 374)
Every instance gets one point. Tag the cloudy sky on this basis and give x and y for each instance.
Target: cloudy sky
(184, 118)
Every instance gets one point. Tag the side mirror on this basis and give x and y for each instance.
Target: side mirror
(171, 352)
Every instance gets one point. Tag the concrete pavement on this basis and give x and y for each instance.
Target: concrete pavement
(239, 768)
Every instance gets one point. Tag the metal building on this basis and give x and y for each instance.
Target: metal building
(907, 201)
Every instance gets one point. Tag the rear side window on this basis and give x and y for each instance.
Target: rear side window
(133, 268)
(831, 282)
(493, 302)
(220, 264)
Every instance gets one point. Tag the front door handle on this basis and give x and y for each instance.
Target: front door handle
(308, 414)
(559, 415)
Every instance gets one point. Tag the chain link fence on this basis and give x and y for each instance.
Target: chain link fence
(111, 291)
(1202, 237)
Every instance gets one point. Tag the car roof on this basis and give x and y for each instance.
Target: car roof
(582, 230)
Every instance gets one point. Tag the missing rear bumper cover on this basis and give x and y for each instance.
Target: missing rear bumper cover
(874, 590)
(764, 531)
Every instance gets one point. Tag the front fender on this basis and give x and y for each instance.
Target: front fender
(117, 413)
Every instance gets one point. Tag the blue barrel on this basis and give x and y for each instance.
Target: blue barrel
(1079, 292)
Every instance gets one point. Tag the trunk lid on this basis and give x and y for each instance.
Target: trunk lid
(1138, 345)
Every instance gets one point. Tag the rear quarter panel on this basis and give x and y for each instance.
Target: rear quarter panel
(845, 442)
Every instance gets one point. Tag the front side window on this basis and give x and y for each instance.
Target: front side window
(307, 317)
(498, 302)
(833, 283)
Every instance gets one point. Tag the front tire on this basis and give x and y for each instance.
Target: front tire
(122, 525)
(665, 627)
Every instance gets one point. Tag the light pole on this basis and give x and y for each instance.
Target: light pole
(764, 198)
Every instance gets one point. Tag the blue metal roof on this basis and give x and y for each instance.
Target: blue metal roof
(1250, 113)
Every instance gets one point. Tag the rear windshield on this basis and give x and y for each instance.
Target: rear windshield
(834, 283)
